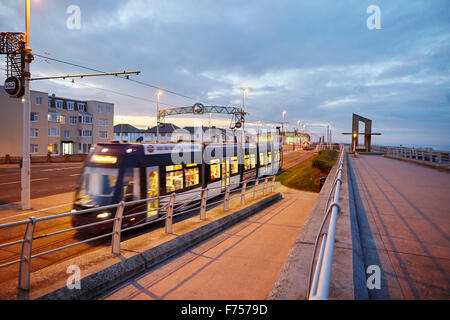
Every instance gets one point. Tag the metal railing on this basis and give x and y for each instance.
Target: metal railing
(183, 206)
(441, 157)
(319, 283)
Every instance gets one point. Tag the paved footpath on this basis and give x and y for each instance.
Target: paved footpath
(407, 208)
(239, 263)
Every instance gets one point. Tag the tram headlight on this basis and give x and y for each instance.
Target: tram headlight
(103, 215)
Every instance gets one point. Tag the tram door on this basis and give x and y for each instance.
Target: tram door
(152, 191)
(225, 172)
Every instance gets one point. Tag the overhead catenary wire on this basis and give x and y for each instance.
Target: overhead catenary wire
(133, 80)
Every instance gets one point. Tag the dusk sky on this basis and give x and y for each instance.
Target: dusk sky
(318, 60)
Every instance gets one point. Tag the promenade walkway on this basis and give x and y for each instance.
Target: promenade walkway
(239, 263)
(403, 214)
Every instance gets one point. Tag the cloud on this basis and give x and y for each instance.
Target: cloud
(315, 59)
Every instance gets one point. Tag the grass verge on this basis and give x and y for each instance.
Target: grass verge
(306, 175)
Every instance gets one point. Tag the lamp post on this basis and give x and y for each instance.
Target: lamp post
(157, 114)
(25, 170)
(282, 127)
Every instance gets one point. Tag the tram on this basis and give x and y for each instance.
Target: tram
(115, 172)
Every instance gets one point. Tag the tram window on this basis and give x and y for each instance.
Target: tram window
(269, 157)
(261, 159)
(128, 185)
(192, 175)
(253, 161)
(215, 169)
(174, 179)
(234, 165)
(246, 162)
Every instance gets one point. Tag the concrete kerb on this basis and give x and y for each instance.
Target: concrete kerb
(292, 281)
(94, 285)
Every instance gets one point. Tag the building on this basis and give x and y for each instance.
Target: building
(58, 125)
(127, 133)
(168, 132)
(295, 138)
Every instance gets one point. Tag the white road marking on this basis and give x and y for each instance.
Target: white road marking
(5, 183)
(40, 210)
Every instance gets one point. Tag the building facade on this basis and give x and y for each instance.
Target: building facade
(58, 126)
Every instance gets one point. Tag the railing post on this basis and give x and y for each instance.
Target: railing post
(273, 184)
(226, 203)
(264, 187)
(169, 216)
(25, 255)
(117, 229)
(203, 204)
(254, 189)
(244, 187)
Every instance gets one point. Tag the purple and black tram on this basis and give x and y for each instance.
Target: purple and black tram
(115, 172)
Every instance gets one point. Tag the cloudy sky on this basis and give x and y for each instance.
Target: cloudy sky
(318, 60)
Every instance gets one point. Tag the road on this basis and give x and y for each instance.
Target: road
(406, 208)
(52, 193)
(46, 179)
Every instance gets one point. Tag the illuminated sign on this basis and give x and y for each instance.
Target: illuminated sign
(104, 159)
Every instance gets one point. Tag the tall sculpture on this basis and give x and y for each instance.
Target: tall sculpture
(367, 133)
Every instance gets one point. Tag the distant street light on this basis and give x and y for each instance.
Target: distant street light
(282, 127)
(157, 115)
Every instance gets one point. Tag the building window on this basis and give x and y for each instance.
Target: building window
(49, 103)
(100, 108)
(73, 120)
(103, 134)
(85, 133)
(33, 148)
(62, 119)
(53, 132)
(103, 122)
(66, 134)
(85, 119)
(34, 116)
(59, 104)
(53, 116)
(108, 109)
(34, 132)
(38, 101)
(81, 106)
(83, 148)
(70, 105)
(53, 148)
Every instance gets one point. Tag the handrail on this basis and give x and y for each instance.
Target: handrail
(318, 285)
(29, 235)
(436, 156)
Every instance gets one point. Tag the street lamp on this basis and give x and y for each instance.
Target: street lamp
(25, 170)
(157, 114)
(282, 127)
